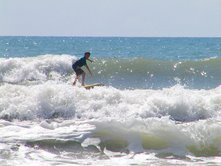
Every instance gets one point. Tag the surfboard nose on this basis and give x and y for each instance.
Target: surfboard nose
(92, 85)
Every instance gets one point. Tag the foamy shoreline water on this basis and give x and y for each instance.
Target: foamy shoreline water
(91, 142)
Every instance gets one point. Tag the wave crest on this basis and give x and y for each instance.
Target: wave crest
(120, 73)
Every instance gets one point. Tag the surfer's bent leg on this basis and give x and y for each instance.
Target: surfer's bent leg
(83, 78)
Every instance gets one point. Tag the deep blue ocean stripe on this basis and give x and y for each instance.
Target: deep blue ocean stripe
(150, 48)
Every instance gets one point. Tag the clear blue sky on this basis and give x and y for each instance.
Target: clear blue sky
(153, 18)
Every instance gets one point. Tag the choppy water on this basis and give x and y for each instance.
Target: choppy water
(158, 107)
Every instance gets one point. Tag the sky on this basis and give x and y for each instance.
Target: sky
(130, 18)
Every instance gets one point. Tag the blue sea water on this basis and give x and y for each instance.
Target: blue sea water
(161, 103)
(121, 47)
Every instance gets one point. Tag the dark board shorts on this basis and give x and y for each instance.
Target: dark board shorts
(78, 71)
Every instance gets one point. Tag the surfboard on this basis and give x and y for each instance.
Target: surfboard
(90, 86)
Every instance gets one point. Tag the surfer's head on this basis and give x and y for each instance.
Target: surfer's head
(87, 54)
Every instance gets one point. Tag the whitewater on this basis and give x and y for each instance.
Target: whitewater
(161, 103)
(45, 120)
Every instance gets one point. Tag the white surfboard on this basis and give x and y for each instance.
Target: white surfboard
(89, 86)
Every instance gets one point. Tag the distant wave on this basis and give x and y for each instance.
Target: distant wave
(148, 67)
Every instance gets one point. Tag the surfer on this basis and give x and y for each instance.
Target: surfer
(77, 67)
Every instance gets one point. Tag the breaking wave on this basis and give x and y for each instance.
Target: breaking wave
(120, 73)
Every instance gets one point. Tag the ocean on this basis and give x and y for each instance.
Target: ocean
(161, 103)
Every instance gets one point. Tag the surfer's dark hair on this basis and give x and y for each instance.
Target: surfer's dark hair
(87, 53)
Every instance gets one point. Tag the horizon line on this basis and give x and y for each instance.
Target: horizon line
(114, 36)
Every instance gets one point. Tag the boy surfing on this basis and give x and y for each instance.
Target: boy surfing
(77, 67)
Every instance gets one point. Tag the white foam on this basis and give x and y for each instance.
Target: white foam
(40, 68)
(130, 138)
(58, 99)
(38, 101)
